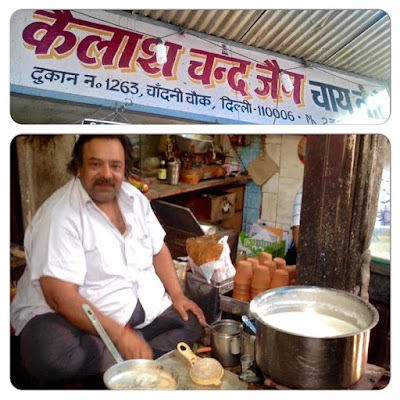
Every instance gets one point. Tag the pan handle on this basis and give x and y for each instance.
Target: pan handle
(102, 333)
(187, 352)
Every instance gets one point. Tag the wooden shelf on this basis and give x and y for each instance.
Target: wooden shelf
(159, 190)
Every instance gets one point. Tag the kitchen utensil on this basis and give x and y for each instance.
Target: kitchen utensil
(209, 326)
(132, 374)
(204, 371)
(102, 333)
(247, 340)
(246, 320)
(291, 348)
(174, 168)
(246, 360)
(193, 143)
(225, 342)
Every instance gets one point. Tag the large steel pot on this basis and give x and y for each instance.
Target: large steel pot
(296, 354)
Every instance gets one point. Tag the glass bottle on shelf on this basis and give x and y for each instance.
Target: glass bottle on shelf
(162, 171)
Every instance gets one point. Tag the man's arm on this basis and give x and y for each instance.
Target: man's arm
(64, 298)
(295, 233)
(165, 269)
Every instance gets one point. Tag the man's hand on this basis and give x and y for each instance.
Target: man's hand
(132, 345)
(182, 304)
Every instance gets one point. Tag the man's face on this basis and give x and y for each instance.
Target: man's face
(103, 168)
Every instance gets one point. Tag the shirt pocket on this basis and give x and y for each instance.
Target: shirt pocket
(140, 252)
(103, 265)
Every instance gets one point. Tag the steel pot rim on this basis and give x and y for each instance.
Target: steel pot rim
(222, 322)
(270, 293)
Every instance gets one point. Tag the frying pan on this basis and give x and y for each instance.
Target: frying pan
(133, 374)
(204, 371)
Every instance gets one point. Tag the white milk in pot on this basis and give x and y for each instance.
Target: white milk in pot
(309, 324)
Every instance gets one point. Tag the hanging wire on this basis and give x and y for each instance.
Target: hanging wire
(91, 114)
(277, 100)
(340, 77)
(182, 31)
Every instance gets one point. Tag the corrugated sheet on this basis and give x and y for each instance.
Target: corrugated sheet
(356, 41)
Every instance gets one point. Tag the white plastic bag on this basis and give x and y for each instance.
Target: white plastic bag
(218, 270)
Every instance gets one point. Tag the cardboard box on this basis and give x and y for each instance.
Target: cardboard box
(239, 199)
(235, 222)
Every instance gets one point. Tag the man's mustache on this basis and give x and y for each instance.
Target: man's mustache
(104, 181)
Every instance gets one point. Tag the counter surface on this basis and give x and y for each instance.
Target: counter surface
(176, 361)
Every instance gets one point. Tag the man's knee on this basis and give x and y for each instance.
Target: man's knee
(194, 326)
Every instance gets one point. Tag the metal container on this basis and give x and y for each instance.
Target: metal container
(225, 342)
(304, 361)
(247, 340)
(193, 143)
(174, 168)
(207, 294)
(141, 375)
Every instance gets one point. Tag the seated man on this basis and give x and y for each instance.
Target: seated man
(97, 241)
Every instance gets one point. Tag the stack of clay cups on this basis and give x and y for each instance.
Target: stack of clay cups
(260, 282)
(292, 273)
(264, 257)
(242, 280)
(280, 262)
(254, 262)
(256, 275)
(280, 278)
(271, 266)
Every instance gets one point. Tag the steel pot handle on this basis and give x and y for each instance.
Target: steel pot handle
(234, 345)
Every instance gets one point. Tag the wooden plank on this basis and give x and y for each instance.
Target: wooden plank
(158, 190)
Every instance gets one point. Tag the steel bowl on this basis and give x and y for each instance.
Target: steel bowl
(193, 143)
(140, 374)
(299, 356)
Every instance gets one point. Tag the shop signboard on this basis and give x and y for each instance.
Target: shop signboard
(105, 58)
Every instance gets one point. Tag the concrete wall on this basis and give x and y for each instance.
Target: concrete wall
(42, 161)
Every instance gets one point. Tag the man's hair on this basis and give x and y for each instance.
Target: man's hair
(77, 152)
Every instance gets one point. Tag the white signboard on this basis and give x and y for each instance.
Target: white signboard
(99, 57)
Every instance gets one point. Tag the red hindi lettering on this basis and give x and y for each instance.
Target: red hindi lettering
(111, 48)
(201, 70)
(270, 82)
(208, 68)
(148, 63)
(46, 42)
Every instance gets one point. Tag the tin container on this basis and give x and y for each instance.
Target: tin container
(312, 360)
(225, 342)
(174, 168)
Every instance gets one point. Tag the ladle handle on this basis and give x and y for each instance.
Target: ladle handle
(102, 333)
(187, 352)
(246, 320)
